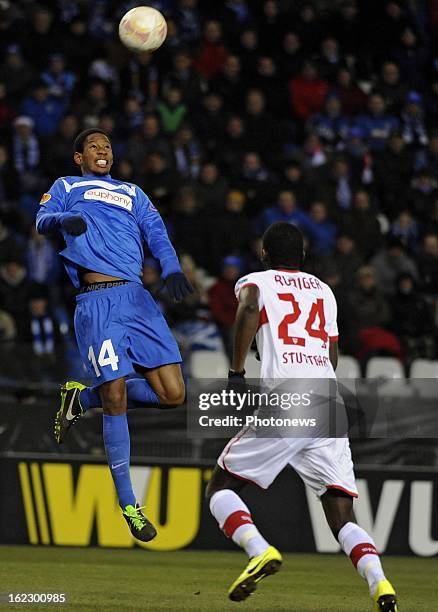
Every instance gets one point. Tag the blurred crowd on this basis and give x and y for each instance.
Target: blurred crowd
(323, 114)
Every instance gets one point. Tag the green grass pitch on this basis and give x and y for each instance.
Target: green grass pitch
(97, 579)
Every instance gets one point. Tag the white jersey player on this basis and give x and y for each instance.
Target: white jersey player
(292, 314)
(297, 323)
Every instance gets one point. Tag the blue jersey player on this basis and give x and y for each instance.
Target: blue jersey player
(119, 328)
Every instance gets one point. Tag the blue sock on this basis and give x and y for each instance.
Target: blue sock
(118, 450)
(90, 398)
(140, 395)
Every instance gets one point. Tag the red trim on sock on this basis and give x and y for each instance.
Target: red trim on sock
(235, 520)
(360, 550)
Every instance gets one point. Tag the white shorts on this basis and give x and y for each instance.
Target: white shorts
(322, 463)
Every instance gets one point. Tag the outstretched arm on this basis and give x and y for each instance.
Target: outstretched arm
(49, 222)
(49, 215)
(52, 216)
(246, 324)
(155, 235)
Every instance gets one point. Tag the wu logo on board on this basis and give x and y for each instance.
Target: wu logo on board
(68, 507)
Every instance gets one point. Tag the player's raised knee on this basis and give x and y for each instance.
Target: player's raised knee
(174, 394)
(113, 399)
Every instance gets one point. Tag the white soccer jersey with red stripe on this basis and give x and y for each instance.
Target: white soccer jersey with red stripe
(297, 321)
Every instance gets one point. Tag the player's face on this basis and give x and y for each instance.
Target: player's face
(97, 156)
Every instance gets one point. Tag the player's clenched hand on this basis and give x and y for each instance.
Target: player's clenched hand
(232, 374)
(177, 286)
(236, 381)
(73, 224)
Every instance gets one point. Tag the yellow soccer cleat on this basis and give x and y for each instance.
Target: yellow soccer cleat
(384, 598)
(70, 409)
(259, 567)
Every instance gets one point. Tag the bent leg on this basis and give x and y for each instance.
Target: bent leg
(113, 397)
(161, 387)
(168, 383)
(338, 509)
(220, 480)
(355, 541)
(116, 438)
(232, 514)
(138, 391)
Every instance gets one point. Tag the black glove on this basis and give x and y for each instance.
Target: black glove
(233, 374)
(237, 382)
(177, 286)
(73, 224)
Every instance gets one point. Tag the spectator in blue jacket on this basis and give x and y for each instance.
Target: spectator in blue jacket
(45, 110)
(286, 210)
(331, 125)
(377, 124)
(320, 230)
(59, 80)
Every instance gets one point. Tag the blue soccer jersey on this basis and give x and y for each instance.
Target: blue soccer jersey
(119, 218)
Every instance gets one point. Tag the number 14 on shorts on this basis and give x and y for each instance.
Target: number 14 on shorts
(107, 356)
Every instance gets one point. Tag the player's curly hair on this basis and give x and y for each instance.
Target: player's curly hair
(80, 139)
(284, 246)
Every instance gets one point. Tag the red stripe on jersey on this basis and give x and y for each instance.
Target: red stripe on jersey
(230, 444)
(225, 453)
(360, 550)
(342, 489)
(263, 318)
(333, 338)
(236, 520)
(244, 478)
(286, 270)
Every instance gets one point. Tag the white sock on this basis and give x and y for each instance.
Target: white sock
(359, 546)
(235, 520)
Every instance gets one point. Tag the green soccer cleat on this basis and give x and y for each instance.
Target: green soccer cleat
(259, 567)
(384, 598)
(140, 527)
(70, 409)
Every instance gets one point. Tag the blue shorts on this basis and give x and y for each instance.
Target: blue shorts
(119, 328)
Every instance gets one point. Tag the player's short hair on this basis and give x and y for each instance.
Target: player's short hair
(284, 245)
(80, 139)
